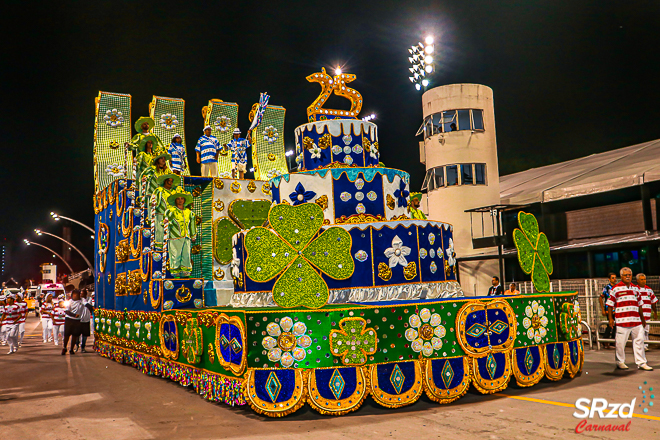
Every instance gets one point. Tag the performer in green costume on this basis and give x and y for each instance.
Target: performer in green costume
(145, 157)
(415, 212)
(149, 177)
(143, 126)
(182, 230)
(159, 206)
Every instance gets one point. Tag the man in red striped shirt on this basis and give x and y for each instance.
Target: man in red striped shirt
(626, 302)
(649, 301)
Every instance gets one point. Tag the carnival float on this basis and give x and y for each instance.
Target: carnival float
(322, 286)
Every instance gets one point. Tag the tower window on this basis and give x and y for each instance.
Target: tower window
(453, 120)
(478, 119)
(480, 173)
(452, 175)
(467, 177)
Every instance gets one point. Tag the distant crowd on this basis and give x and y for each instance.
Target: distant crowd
(61, 319)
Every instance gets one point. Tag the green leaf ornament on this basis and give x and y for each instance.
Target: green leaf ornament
(192, 341)
(533, 251)
(297, 254)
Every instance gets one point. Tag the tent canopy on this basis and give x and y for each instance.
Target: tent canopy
(611, 170)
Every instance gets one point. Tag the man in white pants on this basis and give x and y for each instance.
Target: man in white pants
(649, 305)
(626, 302)
(47, 318)
(3, 336)
(21, 321)
(58, 321)
(10, 319)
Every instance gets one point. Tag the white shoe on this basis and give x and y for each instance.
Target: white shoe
(622, 366)
(15, 349)
(56, 343)
(44, 341)
(645, 367)
(20, 344)
(10, 352)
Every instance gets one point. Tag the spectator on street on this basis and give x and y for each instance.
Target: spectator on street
(495, 289)
(512, 290)
(72, 321)
(626, 304)
(649, 301)
(610, 332)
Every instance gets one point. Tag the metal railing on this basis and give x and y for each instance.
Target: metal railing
(652, 324)
(589, 291)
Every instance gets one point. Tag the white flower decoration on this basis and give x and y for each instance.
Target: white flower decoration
(426, 332)
(451, 255)
(397, 253)
(168, 121)
(535, 322)
(271, 134)
(222, 123)
(115, 170)
(114, 118)
(315, 151)
(286, 342)
(374, 152)
(273, 173)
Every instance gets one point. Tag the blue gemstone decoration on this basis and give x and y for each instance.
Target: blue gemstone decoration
(529, 361)
(336, 384)
(476, 330)
(397, 378)
(498, 327)
(447, 374)
(491, 365)
(273, 386)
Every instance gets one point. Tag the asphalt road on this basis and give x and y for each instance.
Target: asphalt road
(44, 395)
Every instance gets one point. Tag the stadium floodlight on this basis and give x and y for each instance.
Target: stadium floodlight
(422, 62)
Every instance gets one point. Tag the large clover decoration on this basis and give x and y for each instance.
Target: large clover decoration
(296, 251)
(533, 251)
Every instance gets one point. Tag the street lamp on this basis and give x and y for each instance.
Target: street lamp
(57, 217)
(39, 232)
(28, 242)
(422, 62)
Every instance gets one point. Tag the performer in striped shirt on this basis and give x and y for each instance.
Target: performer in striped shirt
(625, 300)
(21, 321)
(47, 318)
(10, 318)
(3, 336)
(58, 321)
(179, 162)
(207, 149)
(649, 301)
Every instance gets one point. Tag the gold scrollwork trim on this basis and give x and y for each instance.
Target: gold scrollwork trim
(396, 400)
(341, 406)
(473, 306)
(555, 373)
(234, 320)
(523, 379)
(443, 395)
(155, 302)
(183, 294)
(487, 385)
(279, 409)
(168, 354)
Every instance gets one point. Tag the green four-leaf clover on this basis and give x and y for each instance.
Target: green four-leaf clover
(533, 251)
(354, 342)
(295, 252)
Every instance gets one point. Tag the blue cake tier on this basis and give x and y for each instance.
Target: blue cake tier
(352, 142)
(393, 260)
(347, 195)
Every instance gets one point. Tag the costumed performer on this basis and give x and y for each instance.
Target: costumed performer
(207, 149)
(159, 206)
(182, 230)
(3, 336)
(10, 318)
(149, 177)
(415, 202)
(179, 161)
(143, 126)
(238, 147)
(23, 310)
(145, 156)
(47, 318)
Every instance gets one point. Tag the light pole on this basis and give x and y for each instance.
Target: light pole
(28, 242)
(57, 217)
(39, 232)
(422, 63)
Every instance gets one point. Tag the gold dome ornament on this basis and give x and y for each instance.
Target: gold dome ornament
(384, 272)
(410, 271)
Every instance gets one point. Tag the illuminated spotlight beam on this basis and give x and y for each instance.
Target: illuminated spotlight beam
(28, 242)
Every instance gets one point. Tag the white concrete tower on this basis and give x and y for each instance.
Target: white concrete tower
(460, 154)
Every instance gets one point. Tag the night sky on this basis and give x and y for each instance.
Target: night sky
(570, 79)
